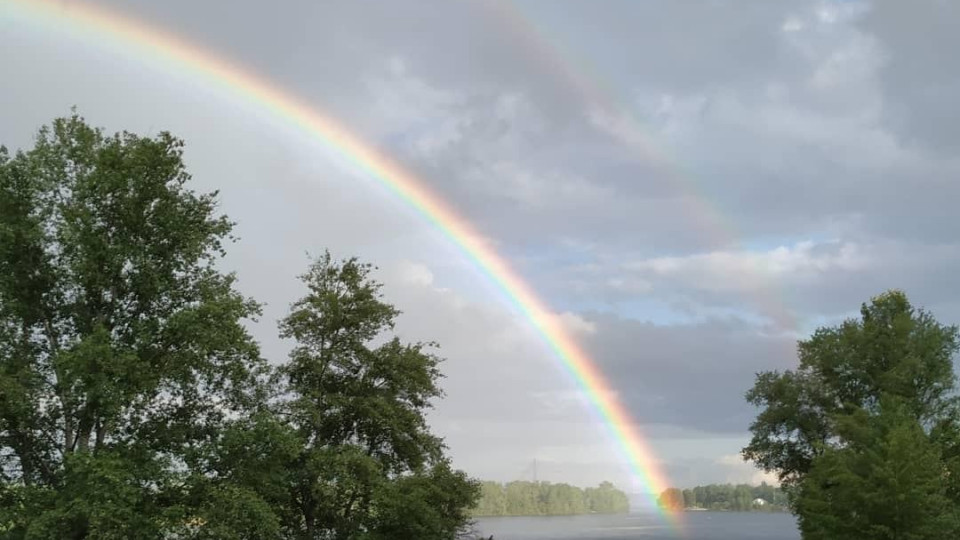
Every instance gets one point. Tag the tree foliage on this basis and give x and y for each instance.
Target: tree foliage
(547, 499)
(894, 350)
(133, 402)
(121, 345)
(886, 482)
(671, 499)
(865, 432)
(355, 400)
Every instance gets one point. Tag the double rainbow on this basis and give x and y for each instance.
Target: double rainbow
(99, 25)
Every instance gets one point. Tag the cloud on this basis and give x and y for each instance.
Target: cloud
(751, 270)
(918, 88)
(680, 383)
(412, 273)
(575, 324)
(739, 471)
(688, 375)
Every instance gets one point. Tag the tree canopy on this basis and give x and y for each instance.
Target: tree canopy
(864, 433)
(133, 401)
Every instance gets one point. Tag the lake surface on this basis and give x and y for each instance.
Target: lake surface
(695, 526)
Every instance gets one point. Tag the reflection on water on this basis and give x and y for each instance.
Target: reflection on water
(694, 526)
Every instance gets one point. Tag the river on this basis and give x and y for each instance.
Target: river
(693, 526)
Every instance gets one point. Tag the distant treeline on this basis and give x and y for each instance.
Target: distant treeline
(730, 497)
(547, 499)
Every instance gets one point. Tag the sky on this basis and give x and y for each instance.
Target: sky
(690, 187)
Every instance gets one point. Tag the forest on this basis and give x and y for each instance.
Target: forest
(548, 499)
(726, 497)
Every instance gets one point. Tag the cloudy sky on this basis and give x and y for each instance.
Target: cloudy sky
(689, 186)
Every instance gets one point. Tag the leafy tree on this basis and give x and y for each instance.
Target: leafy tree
(865, 432)
(493, 500)
(523, 499)
(887, 482)
(357, 408)
(893, 350)
(432, 505)
(607, 499)
(122, 348)
(671, 499)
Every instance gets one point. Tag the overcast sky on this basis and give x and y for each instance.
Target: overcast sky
(689, 185)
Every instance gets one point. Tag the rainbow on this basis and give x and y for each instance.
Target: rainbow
(97, 25)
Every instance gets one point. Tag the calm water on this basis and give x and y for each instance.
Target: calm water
(696, 526)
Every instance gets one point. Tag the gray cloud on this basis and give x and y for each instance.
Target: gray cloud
(691, 375)
(917, 79)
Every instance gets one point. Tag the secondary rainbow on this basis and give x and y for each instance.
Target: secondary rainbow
(584, 79)
(99, 25)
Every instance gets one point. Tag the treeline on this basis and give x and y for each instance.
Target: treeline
(726, 497)
(547, 499)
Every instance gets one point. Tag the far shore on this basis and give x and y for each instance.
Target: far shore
(771, 511)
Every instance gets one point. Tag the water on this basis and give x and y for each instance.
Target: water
(695, 526)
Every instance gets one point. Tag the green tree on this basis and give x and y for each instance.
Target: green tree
(122, 348)
(357, 410)
(431, 505)
(887, 481)
(493, 500)
(865, 432)
(607, 499)
(893, 350)
(671, 499)
(523, 499)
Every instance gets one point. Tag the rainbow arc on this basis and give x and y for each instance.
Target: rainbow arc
(151, 44)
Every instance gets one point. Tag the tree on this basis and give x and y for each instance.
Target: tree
(865, 432)
(123, 351)
(367, 462)
(607, 499)
(671, 499)
(887, 482)
(893, 350)
(430, 505)
(523, 499)
(493, 500)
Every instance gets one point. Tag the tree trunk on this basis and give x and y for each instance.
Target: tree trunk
(309, 519)
(84, 430)
(68, 434)
(101, 433)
